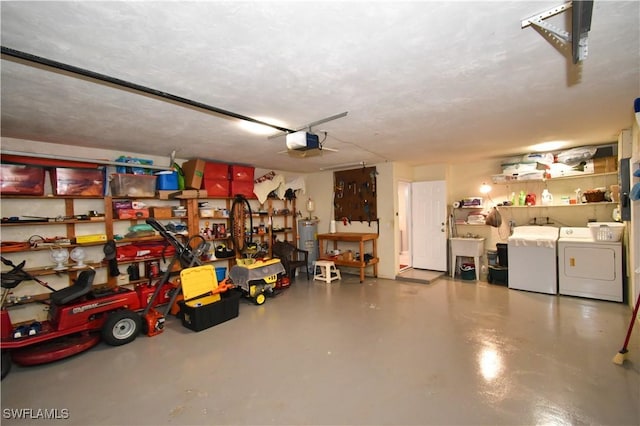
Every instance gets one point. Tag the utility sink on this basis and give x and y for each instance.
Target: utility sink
(466, 247)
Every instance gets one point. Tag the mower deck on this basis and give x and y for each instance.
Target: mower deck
(54, 350)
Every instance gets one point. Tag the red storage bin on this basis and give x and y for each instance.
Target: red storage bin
(243, 173)
(240, 187)
(71, 181)
(216, 171)
(21, 180)
(216, 187)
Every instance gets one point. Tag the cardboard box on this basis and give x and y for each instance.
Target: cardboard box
(244, 173)
(242, 188)
(78, 182)
(125, 185)
(198, 318)
(122, 204)
(605, 164)
(217, 187)
(161, 212)
(190, 193)
(132, 213)
(205, 211)
(193, 173)
(166, 194)
(21, 180)
(91, 238)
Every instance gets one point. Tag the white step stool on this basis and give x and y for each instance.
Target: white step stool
(325, 270)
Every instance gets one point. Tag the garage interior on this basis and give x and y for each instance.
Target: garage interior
(440, 92)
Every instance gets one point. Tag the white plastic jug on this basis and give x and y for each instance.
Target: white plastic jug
(547, 198)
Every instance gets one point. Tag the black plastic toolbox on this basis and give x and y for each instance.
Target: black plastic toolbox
(199, 318)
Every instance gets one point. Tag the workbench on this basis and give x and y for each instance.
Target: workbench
(353, 237)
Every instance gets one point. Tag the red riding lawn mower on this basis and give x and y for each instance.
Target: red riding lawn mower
(78, 318)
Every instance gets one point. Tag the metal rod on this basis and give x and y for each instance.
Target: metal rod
(315, 123)
(6, 51)
(84, 160)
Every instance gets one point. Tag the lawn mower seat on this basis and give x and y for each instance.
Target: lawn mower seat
(80, 287)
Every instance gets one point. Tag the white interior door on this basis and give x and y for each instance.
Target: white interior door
(428, 223)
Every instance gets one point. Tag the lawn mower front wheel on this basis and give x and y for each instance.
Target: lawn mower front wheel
(121, 327)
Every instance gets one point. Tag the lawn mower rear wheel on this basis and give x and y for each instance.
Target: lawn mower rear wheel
(121, 327)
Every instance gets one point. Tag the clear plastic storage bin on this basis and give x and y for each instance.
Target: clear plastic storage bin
(127, 185)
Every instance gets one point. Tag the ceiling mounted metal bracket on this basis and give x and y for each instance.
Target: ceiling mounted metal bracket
(561, 35)
(546, 14)
(581, 11)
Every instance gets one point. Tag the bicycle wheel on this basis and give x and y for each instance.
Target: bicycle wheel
(241, 224)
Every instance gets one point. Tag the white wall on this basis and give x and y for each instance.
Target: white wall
(320, 188)
(463, 180)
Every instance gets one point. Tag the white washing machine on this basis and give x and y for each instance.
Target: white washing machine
(532, 259)
(589, 268)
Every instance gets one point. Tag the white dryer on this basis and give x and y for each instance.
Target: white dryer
(589, 268)
(533, 259)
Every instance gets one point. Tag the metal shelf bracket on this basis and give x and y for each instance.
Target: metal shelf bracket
(579, 46)
(546, 14)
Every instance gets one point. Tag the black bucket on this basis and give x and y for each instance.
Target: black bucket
(503, 259)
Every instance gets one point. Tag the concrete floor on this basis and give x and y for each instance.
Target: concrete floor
(419, 275)
(381, 352)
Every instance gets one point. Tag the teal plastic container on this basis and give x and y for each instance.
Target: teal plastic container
(468, 271)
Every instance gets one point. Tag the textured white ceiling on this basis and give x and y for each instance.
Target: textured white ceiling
(423, 82)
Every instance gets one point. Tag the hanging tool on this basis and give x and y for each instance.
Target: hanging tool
(372, 176)
(340, 189)
(185, 257)
(367, 211)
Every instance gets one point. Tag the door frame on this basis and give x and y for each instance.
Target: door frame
(404, 218)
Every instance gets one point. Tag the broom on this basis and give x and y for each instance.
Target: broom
(619, 358)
